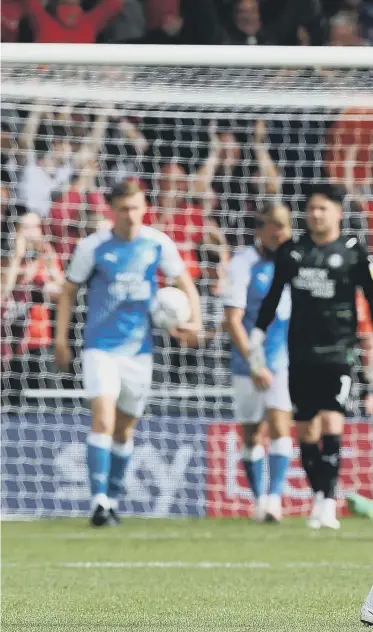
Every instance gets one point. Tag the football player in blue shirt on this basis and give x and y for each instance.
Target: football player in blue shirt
(261, 393)
(119, 268)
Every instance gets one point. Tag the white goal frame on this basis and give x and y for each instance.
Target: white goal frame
(208, 56)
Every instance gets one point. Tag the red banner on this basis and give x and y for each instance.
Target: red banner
(227, 489)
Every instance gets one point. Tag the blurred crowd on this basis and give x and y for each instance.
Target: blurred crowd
(243, 22)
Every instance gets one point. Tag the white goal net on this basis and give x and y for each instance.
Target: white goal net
(211, 133)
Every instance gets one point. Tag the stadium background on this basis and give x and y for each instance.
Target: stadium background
(205, 173)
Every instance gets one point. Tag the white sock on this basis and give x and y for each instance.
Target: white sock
(256, 453)
(100, 499)
(283, 446)
(113, 503)
(99, 440)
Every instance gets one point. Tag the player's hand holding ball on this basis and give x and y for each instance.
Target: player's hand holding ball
(187, 334)
(171, 310)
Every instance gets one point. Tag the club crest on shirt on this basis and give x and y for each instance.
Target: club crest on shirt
(295, 255)
(143, 258)
(109, 256)
(262, 281)
(148, 256)
(335, 261)
(263, 278)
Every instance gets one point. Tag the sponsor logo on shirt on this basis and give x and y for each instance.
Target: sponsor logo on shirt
(130, 286)
(315, 281)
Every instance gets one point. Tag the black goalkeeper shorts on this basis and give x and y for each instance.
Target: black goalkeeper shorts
(318, 387)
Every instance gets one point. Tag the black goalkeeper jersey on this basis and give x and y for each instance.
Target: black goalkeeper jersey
(323, 281)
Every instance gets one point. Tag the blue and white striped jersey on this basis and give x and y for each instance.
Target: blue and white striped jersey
(121, 279)
(249, 279)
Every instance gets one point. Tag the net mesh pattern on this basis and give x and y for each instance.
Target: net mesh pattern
(209, 147)
(213, 86)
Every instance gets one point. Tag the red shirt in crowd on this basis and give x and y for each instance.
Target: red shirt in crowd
(66, 223)
(38, 326)
(364, 320)
(159, 11)
(185, 227)
(353, 127)
(48, 29)
(11, 13)
(37, 330)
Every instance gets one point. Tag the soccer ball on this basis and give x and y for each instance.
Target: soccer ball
(170, 308)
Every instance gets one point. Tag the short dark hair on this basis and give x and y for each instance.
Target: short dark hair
(20, 210)
(276, 211)
(5, 176)
(59, 133)
(41, 147)
(126, 188)
(333, 192)
(6, 127)
(208, 254)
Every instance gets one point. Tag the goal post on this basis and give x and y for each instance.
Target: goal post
(212, 133)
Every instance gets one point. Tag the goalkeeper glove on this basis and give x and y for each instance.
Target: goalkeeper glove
(256, 358)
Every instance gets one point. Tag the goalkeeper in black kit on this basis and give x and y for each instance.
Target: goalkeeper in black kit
(324, 269)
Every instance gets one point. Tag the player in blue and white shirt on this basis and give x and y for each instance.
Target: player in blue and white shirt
(261, 393)
(119, 268)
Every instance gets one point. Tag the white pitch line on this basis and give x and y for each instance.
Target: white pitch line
(193, 565)
(325, 564)
(225, 565)
(136, 535)
(175, 564)
(261, 535)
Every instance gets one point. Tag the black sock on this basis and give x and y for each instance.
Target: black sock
(330, 460)
(311, 461)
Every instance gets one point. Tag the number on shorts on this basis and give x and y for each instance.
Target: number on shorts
(345, 389)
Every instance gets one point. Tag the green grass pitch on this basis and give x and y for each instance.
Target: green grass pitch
(200, 575)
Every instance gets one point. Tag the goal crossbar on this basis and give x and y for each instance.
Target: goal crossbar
(206, 56)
